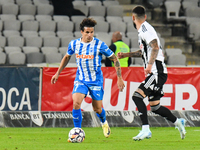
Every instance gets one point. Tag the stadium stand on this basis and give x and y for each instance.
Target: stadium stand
(35, 20)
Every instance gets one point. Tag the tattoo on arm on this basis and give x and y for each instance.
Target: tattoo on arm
(154, 52)
(117, 65)
(135, 54)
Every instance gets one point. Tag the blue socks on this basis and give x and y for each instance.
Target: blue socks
(102, 116)
(77, 117)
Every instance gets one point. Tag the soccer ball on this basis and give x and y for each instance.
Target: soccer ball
(76, 135)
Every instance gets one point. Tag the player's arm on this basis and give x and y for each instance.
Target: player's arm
(120, 81)
(63, 63)
(154, 54)
(137, 53)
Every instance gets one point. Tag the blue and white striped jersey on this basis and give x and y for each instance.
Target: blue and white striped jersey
(88, 58)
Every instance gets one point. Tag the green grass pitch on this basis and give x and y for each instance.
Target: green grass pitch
(163, 138)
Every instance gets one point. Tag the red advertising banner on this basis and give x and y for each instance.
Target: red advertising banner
(182, 89)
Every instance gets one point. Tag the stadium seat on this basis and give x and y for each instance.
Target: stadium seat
(58, 18)
(40, 2)
(126, 40)
(4, 17)
(188, 4)
(27, 9)
(34, 58)
(134, 42)
(43, 17)
(194, 31)
(178, 59)
(62, 50)
(30, 25)
(152, 4)
(8, 33)
(65, 26)
(47, 33)
(77, 20)
(115, 10)
(10, 8)
(29, 33)
(97, 11)
(12, 25)
(2, 58)
(172, 11)
(25, 17)
(2, 2)
(77, 34)
(47, 25)
(51, 42)
(173, 51)
(9, 49)
(120, 26)
(128, 19)
(1, 49)
(97, 18)
(65, 40)
(93, 3)
(1, 25)
(45, 9)
(28, 49)
(192, 11)
(105, 39)
(16, 58)
(61, 34)
(53, 57)
(190, 20)
(132, 34)
(34, 41)
(47, 50)
(115, 19)
(110, 3)
(15, 40)
(102, 27)
(83, 8)
(2, 41)
(21, 2)
(130, 28)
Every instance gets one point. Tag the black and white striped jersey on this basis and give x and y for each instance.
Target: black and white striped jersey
(146, 34)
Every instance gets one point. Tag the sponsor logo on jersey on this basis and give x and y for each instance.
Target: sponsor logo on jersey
(85, 56)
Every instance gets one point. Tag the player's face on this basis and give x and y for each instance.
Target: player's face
(87, 34)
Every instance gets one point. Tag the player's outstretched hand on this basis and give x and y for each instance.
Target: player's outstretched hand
(120, 55)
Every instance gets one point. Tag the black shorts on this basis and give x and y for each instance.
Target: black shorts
(153, 85)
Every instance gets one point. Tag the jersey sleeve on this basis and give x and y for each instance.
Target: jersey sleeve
(149, 36)
(70, 50)
(105, 50)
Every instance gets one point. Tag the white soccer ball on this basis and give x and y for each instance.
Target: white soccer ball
(76, 135)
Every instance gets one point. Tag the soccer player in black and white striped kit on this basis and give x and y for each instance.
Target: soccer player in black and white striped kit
(155, 73)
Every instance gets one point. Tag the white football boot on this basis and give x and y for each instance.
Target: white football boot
(181, 127)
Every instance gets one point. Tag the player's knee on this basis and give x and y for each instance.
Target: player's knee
(97, 110)
(154, 108)
(76, 104)
(137, 96)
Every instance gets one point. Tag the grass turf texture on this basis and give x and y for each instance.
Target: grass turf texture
(163, 138)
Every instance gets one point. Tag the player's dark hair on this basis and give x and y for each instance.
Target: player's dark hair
(139, 11)
(87, 22)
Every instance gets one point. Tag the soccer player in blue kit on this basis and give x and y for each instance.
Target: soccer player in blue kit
(89, 77)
